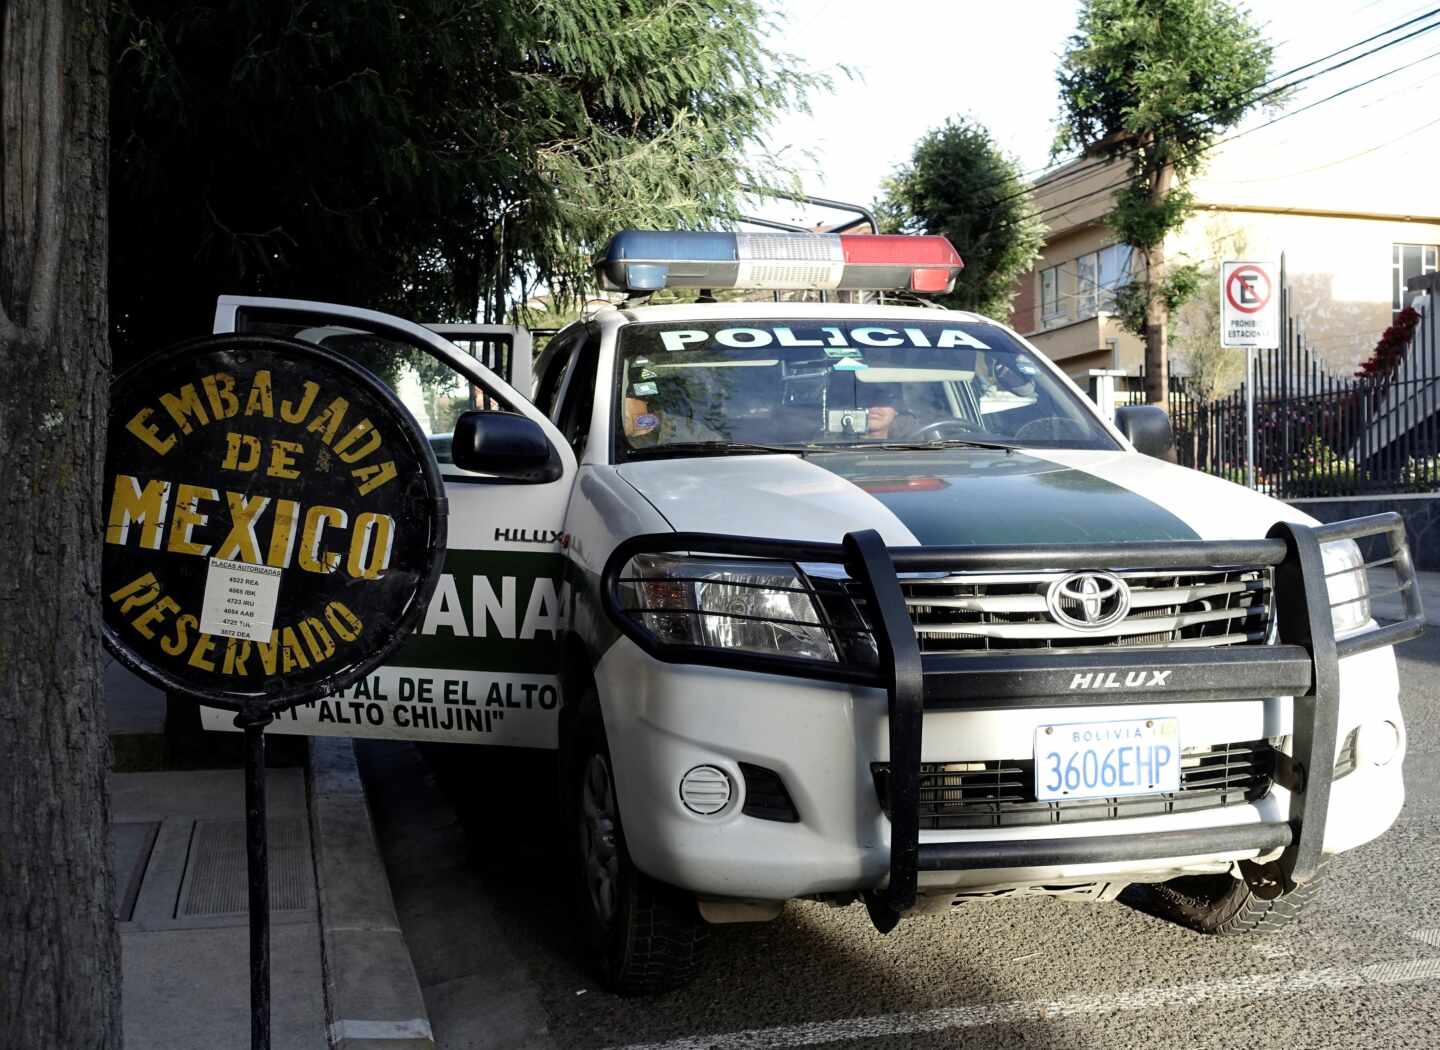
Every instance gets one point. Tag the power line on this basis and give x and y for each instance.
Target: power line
(1356, 58)
(1107, 161)
(1119, 155)
(1338, 162)
(1329, 98)
(1094, 165)
(1352, 47)
(1405, 88)
(1231, 138)
(1097, 290)
(1345, 18)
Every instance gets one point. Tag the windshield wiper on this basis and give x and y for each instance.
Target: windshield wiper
(927, 446)
(717, 448)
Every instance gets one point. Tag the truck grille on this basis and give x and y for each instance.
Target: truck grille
(956, 795)
(1007, 612)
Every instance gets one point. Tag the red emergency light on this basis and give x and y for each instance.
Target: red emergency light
(920, 264)
(646, 260)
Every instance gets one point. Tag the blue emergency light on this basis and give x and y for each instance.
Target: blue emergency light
(647, 260)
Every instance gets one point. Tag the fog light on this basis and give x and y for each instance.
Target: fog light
(705, 790)
(1376, 743)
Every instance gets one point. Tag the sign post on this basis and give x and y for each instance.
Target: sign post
(275, 526)
(1249, 320)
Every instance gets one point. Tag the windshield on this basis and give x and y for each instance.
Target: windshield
(818, 384)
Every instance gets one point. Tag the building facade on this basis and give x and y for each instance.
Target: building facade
(1351, 230)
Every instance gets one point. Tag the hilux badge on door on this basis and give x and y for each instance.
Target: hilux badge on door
(1088, 601)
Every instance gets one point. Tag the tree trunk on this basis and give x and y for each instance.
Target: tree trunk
(1157, 314)
(59, 950)
(1157, 319)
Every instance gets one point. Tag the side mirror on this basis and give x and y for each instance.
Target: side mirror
(505, 445)
(1147, 427)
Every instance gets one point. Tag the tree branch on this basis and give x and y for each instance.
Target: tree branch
(49, 227)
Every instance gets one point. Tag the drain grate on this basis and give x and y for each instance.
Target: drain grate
(215, 880)
(130, 846)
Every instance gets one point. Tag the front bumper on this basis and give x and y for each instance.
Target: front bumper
(908, 687)
(822, 739)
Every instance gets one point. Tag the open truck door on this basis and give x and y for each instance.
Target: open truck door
(481, 668)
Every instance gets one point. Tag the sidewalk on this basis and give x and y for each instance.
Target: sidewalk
(184, 934)
(341, 975)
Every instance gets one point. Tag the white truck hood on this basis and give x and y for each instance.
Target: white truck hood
(953, 497)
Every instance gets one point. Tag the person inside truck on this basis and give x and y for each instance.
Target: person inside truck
(886, 416)
(649, 417)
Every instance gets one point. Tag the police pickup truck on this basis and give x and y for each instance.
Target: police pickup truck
(867, 604)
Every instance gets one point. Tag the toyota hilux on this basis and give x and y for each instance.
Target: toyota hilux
(868, 603)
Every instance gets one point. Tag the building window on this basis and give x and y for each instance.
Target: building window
(1098, 276)
(1085, 286)
(1407, 261)
(1049, 294)
(1114, 272)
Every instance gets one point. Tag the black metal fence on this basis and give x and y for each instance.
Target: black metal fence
(1316, 433)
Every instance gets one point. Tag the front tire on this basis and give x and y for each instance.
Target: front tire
(642, 936)
(1223, 906)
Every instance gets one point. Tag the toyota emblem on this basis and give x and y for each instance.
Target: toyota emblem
(1088, 601)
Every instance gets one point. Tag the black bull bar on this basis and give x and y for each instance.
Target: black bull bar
(1302, 662)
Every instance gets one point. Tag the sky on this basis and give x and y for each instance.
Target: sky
(913, 63)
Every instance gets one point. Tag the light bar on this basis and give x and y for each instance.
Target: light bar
(647, 260)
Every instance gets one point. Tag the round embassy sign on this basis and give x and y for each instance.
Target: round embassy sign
(274, 521)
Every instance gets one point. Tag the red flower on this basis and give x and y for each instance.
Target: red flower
(1391, 347)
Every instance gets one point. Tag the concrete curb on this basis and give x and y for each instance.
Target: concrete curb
(372, 995)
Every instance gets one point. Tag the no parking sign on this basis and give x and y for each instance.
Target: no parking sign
(1249, 305)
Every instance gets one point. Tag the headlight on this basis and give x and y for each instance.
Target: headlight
(1348, 587)
(761, 607)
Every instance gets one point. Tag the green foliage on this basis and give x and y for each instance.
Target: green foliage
(959, 184)
(1155, 81)
(1420, 475)
(1174, 289)
(439, 158)
(1179, 284)
(1318, 470)
(1143, 222)
(1163, 76)
(1131, 300)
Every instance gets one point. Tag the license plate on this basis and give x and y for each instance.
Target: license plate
(1139, 756)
